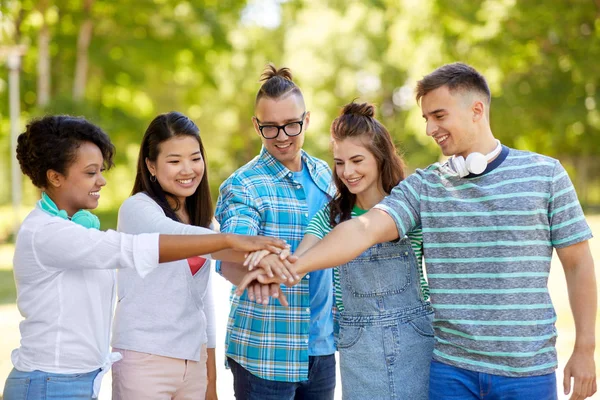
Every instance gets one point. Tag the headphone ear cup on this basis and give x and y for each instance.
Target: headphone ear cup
(86, 219)
(459, 166)
(476, 163)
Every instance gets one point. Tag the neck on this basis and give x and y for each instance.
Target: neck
(294, 165)
(485, 145)
(177, 204)
(61, 204)
(368, 200)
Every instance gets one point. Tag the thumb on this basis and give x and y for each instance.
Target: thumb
(292, 258)
(567, 381)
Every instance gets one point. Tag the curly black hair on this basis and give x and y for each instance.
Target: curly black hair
(51, 142)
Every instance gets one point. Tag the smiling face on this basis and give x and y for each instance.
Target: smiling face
(279, 112)
(451, 120)
(179, 166)
(80, 187)
(357, 168)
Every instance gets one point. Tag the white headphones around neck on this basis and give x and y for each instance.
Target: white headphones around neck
(475, 163)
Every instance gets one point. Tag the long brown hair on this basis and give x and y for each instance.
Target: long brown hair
(357, 120)
(164, 127)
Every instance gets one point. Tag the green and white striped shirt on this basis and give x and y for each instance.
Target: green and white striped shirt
(488, 243)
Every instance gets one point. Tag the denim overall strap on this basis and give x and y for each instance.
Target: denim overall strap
(383, 282)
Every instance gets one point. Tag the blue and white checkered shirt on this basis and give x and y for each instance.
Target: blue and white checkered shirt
(262, 198)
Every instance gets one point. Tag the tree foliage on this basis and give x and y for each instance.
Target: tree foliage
(204, 58)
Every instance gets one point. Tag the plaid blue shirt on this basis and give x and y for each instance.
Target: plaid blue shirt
(262, 198)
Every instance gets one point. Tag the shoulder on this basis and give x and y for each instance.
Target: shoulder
(521, 163)
(530, 157)
(137, 201)
(319, 164)
(246, 175)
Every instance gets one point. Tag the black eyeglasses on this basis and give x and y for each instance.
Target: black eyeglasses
(272, 131)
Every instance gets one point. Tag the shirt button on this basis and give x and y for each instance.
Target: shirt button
(308, 310)
(306, 215)
(307, 276)
(298, 187)
(306, 341)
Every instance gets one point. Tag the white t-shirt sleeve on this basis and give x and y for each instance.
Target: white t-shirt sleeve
(141, 214)
(62, 245)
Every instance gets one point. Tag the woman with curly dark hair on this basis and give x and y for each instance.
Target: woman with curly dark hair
(64, 266)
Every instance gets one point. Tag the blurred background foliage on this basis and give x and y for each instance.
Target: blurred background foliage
(120, 63)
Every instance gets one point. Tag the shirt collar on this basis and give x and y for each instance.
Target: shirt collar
(278, 170)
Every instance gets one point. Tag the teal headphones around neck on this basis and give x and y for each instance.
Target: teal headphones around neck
(81, 217)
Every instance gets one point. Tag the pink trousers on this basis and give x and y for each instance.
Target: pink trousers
(151, 377)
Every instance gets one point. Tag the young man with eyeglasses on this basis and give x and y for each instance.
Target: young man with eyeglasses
(276, 352)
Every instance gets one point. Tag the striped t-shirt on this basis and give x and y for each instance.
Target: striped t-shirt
(488, 244)
(319, 226)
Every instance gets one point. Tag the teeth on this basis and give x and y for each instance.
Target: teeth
(184, 181)
(354, 180)
(283, 146)
(95, 193)
(441, 139)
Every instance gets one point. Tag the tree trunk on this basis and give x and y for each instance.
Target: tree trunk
(43, 67)
(83, 44)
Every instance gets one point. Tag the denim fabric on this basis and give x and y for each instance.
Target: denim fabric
(453, 383)
(386, 336)
(38, 385)
(319, 386)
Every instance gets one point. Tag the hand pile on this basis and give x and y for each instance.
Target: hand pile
(266, 272)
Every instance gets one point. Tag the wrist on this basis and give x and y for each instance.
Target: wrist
(228, 240)
(585, 345)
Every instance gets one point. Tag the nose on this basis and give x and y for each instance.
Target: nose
(186, 167)
(281, 136)
(101, 180)
(348, 170)
(431, 128)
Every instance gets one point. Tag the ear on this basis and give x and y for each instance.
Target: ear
(478, 109)
(306, 120)
(151, 166)
(54, 178)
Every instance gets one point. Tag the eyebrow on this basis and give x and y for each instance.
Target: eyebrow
(351, 158)
(179, 155)
(439, 110)
(92, 165)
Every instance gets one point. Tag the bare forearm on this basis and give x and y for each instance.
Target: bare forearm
(211, 365)
(229, 255)
(233, 272)
(178, 247)
(581, 284)
(347, 241)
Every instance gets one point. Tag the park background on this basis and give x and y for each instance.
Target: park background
(120, 63)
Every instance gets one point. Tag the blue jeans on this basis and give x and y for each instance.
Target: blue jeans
(319, 386)
(453, 383)
(38, 385)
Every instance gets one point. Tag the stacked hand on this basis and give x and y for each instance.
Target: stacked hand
(266, 272)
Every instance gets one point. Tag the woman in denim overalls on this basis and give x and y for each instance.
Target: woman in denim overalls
(385, 335)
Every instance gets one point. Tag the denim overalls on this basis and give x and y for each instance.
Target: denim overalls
(386, 336)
